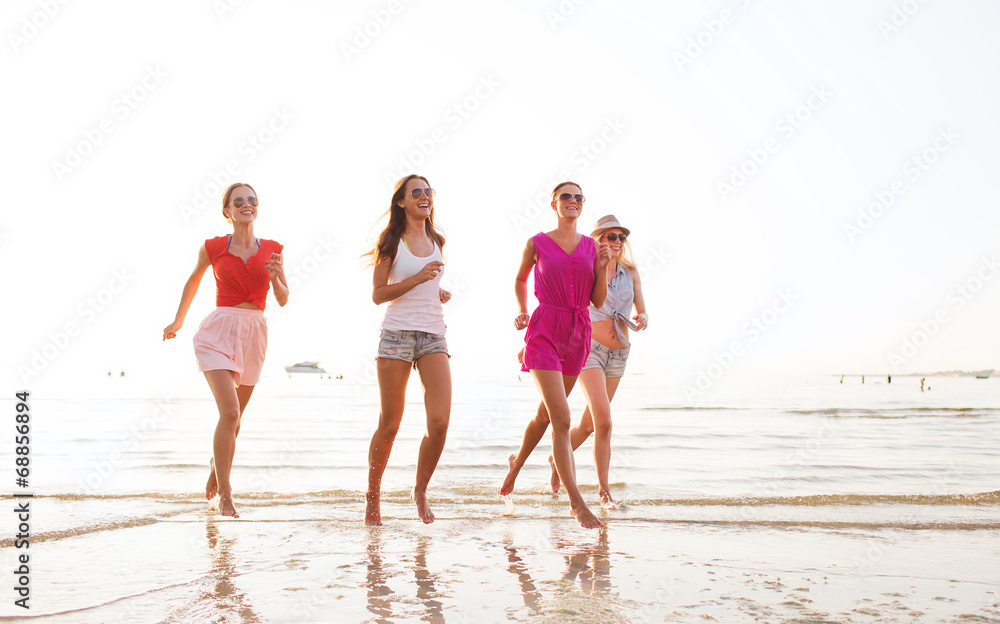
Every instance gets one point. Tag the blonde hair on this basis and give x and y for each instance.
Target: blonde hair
(229, 193)
(625, 257)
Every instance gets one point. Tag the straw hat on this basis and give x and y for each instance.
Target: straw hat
(606, 223)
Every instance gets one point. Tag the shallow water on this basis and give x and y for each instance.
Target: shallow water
(768, 486)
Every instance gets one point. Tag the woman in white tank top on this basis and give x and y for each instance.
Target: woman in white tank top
(408, 267)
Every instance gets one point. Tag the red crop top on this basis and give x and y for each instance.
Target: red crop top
(236, 282)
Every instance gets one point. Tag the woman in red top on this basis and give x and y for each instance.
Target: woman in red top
(231, 341)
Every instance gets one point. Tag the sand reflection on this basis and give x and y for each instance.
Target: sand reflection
(381, 596)
(585, 584)
(378, 590)
(228, 602)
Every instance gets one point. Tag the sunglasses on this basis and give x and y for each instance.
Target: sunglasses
(239, 201)
(568, 196)
(417, 192)
(615, 237)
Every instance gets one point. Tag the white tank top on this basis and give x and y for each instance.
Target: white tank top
(420, 308)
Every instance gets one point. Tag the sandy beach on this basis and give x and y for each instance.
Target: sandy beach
(302, 560)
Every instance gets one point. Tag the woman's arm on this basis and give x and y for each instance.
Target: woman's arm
(600, 291)
(275, 268)
(383, 291)
(641, 319)
(187, 295)
(528, 260)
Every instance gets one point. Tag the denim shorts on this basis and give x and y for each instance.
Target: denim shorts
(611, 361)
(409, 346)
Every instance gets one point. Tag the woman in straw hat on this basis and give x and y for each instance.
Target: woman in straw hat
(609, 348)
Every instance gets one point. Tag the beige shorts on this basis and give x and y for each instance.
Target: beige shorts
(233, 339)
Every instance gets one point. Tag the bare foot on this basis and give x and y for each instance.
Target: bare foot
(226, 507)
(212, 487)
(508, 483)
(555, 483)
(585, 517)
(373, 509)
(606, 501)
(423, 509)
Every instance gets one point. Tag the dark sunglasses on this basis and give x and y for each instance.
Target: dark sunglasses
(417, 192)
(616, 237)
(239, 201)
(568, 196)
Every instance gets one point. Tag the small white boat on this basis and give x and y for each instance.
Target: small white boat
(305, 367)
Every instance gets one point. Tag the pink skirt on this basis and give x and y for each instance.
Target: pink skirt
(232, 339)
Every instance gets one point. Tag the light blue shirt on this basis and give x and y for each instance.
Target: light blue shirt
(618, 304)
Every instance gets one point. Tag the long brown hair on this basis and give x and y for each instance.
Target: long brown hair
(388, 240)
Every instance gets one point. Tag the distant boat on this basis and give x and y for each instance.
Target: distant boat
(982, 376)
(304, 367)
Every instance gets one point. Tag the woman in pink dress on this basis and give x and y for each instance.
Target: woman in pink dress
(569, 268)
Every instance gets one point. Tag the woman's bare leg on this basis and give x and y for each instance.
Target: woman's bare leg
(212, 487)
(580, 432)
(552, 386)
(392, 378)
(224, 442)
(532, 436)
(599, 391)
(435, 376)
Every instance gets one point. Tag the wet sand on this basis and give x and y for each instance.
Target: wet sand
(302, 560)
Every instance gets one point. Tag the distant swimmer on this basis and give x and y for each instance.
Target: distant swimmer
(841, 379)
(570, 273)
(890, 379)
(231, 341)
(408, 266)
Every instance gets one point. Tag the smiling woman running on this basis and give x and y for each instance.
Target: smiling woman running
(408, 266)
(231, 341)
(569, 275)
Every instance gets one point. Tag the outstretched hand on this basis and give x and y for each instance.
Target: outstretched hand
(521, 320)
(170, 331)
(641, 321)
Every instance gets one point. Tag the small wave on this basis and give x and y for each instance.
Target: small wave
(900, 412)
(126, 523)
(691, 408)
(820, 500)
(489, 493)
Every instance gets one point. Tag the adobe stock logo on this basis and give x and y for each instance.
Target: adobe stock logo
(787, 127)
(961, 294)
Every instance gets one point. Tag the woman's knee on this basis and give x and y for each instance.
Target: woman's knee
(229, 418)
(437, 427)
(387, 429)
(560, 419)
(542, 415)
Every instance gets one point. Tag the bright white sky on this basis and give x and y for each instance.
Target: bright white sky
(648, 105)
